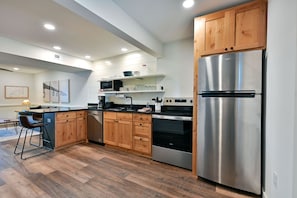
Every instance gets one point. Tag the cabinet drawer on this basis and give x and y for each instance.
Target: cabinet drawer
(142, 117)
(80, 114)
(124, 116)
(65, 115)
(143, 129)
(142, 145)
(110, 115)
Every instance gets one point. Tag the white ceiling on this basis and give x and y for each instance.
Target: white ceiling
(166, 20)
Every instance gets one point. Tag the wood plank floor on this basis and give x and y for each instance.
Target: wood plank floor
(90, 170)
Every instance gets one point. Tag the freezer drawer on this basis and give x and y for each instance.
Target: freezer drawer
(229, 141)
(231, 71)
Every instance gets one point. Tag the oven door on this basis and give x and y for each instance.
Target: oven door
(173, 132)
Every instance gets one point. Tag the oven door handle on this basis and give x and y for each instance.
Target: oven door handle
(168, 117)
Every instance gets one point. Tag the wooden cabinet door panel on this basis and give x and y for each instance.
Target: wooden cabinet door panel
(142, 144)
(65, 115)
(238, 28)
(142, 129)
(139, 117)
(65, 132)
(215, 32)
(125, 134)
(60, 129)
(70, 133)
(110, 132)
(250, 27)
(81, 128)
(124, 116)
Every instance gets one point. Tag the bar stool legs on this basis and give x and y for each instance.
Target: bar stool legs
(41, 140)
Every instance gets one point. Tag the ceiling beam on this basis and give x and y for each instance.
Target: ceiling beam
(24, 54)
(112, 18)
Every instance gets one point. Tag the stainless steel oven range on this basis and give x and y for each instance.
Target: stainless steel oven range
(172, 132)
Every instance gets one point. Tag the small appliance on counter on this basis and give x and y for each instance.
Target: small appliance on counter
(101, 102)
(157, 104)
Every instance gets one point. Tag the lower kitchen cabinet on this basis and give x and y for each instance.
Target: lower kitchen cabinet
(110, 128)
(142, 133)
(65, 129)
(70, 127)
(118, 129)
(81, 124)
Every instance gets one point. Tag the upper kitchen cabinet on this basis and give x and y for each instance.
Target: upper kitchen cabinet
(238, 28)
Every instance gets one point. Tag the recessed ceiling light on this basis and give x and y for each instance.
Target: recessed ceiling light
(16, 68)
(108, 63)
(49, 26)
(57, 47)
(188, 3)
(87, 56)
(124, 49)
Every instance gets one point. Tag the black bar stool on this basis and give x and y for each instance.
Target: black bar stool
(27, 125)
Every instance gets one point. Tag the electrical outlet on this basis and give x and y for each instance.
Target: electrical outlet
(275, 179)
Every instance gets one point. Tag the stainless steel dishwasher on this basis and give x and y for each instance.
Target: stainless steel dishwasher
(95, 126)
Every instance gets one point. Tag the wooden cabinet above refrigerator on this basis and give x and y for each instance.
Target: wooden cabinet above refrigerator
(234, 29)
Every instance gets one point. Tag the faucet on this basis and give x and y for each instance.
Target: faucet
(130, 100)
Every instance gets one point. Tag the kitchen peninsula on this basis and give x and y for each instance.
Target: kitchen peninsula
(65, 125)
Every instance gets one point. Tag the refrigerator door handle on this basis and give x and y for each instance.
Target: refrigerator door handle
(244, 94)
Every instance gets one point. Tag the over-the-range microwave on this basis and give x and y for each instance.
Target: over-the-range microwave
(110, 85)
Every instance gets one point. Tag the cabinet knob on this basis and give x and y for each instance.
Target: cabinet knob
(231, 48)
(226, 49)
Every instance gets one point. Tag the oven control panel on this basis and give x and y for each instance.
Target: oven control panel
(178, 101)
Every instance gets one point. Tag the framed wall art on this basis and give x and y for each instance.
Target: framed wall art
(54, 90)
(16, 92)
(64, 91)
(46, 91)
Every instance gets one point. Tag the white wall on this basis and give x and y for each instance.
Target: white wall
(78, 87)
(177, 63)
(281, 99)
(8, 106)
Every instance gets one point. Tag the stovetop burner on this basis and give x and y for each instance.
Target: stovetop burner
(177, 106)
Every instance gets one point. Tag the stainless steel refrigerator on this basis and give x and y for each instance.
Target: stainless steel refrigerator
(230, 119)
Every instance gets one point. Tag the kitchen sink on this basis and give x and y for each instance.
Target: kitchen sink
(114, 109)
(122, 109)
(130, 110)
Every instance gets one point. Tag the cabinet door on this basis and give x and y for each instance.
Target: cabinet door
(110, 132)
(142, 129)
(125, 134)
(250, 27)
(142, 145)
(216, 32)
(65, 132)
(238, 28)
(60, 129)
(81, 128)
(142, 137)
(70, 133)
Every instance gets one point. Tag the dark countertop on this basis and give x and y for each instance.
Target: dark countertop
(116, 108)
(56, 109)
